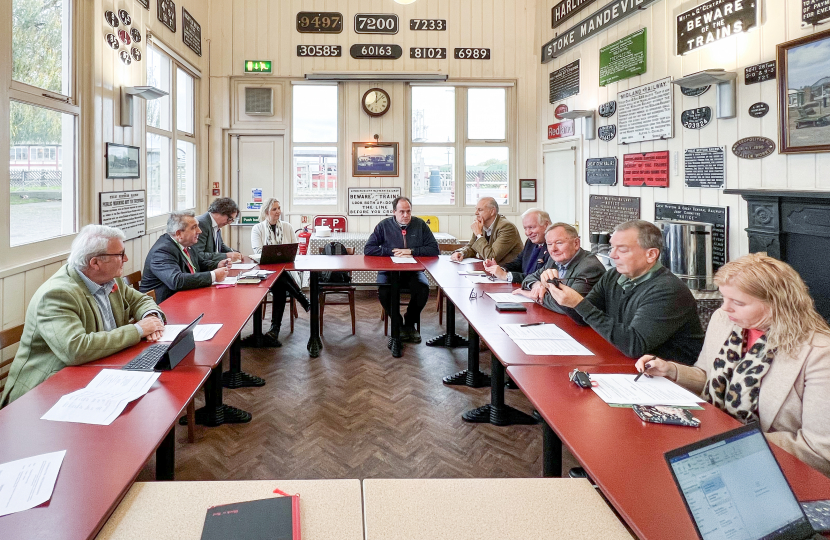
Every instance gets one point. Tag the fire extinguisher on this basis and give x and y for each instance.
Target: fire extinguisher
(303, 239)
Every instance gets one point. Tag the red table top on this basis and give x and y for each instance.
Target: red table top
(101, 462)
(346, 263)
(624, 455)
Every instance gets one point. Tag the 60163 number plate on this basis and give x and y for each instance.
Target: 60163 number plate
(319, 50)
(376, 51)
(472, 53)
(427, 24)
(319, 22)
(429, 53)
(376, 23)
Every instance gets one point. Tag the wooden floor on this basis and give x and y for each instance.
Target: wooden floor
(356, 412)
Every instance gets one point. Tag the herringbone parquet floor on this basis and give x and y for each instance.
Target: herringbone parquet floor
(356, 412)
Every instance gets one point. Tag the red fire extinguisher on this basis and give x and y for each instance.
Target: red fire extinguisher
(303, 239)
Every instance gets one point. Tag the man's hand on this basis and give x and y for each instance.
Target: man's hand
(522, 292)
(564, 296)
(477, 227)
(234, 256)
(398, 252)
(221, 273)
(224, 263)
(538, 292)
(155, 336)
(490, 267)
(457, 256)
(550, 273)
(150, 326)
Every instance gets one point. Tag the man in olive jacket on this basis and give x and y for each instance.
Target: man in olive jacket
(494, 237)
(82, 313)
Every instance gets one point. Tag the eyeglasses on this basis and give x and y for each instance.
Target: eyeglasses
(232, 219)
(123, 254)
(476, 296)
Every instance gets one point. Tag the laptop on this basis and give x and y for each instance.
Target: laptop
(281, 253)
(166, 356)
(734, 489)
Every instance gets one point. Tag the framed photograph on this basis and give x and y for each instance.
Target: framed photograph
(374, 159)
(804, 94)
(123, 161)
(527, 190)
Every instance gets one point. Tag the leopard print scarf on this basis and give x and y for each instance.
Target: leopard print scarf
(735, 381)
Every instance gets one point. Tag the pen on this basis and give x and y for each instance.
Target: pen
(532, 324)
(645, 368)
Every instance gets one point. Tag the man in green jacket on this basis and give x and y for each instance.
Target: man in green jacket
(82, 313)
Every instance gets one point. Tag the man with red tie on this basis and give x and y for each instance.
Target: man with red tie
(173, 265)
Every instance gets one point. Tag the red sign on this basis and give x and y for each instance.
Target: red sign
(561, 130)
(559, 110)
(649, 169)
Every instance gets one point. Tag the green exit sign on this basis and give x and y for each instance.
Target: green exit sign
(257, 66)
(252, 220)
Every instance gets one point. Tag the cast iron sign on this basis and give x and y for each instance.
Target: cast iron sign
(607, 133)
(564, 82)
(649, 169)
(696, 118)
(601, 171)
(191, 32)
(694, 92)
(815, 11)
(713, 21)
(753, 148)
(759, 72)
(562, 129)
(607, 110)
(758, 110)
(166, 13)
(566, 9)
(623, 59)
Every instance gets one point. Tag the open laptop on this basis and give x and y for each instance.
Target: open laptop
(166, 356)
(734, 489)
(281, 253)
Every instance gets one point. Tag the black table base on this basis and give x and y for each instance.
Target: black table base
(551, 453)
(497, 413)
(166, 457)
(215, 413)
(450, 339)
(235, 377)
(472, 376)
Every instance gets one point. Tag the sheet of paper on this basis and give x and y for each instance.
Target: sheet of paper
(255, 273)
(485, 279)
(202, 332)
(255, 257)
(122, 383)
(403, 260)
(471, 272)
(229, 280)
(621, 388)
(552, 347)
(467, 261)
(242, 266)
(539, 331)
(508, 297)
(28, 482)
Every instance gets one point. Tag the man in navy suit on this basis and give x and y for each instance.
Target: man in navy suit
(534, 255)
(173, 265)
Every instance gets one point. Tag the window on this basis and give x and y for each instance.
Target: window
(459, 129)
(171, 138)
(42, 168)
(314, 144)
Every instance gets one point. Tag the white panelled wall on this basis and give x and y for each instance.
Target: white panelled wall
(780, 22)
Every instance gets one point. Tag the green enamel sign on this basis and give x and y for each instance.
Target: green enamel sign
(622, 59)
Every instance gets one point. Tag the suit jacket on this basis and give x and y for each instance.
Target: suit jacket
(504, 243)
(793, 405)
(206, 245)
(516, 267)
(64, 327)
(166, 270)
(584, 266)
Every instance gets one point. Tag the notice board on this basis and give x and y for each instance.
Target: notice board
(564, 82)
(372, 201)
(649, 169)
(125, 210)
(645, 113)
(622, 59)
(607, 211)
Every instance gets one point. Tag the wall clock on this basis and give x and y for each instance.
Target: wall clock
(376, 102)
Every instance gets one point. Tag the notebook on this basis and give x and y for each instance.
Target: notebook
(281, 253)
(265, 519)
(733, 488)
(163, 357)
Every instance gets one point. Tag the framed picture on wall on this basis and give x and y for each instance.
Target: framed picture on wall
(804, 94)
(374, 159)
(123, 161)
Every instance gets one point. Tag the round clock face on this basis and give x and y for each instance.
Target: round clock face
(376, 102)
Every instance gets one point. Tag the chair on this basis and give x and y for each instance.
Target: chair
(8, 338)
(133, 280)
(292, 308)
(340, 289)
(445, 249)
(337, 223)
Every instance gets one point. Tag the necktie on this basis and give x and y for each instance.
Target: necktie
(218, 241)
(531, 263)
(187, 260)
(561, 269)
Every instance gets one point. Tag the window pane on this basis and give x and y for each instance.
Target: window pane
(487, 174)
(185, 175)
(433, 114)
(42, 191)
(486, 118)
(158, 75)
(433, 178)
(158, 175)
(40, 44)
(184, 102)
(315, 175)
(315, 113)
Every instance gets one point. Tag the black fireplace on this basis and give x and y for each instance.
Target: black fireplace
(793, 226)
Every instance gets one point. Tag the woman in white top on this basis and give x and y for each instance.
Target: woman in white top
(270, 231)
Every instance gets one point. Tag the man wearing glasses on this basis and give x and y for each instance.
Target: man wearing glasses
(210, 246)
(82, 313)
(569, 264)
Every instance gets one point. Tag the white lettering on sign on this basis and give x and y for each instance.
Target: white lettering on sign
(372, 201)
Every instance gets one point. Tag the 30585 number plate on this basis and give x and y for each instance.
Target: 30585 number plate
(429, 53)
(376, 23)
(319, 50)
(376, 51)
(319, 22)
(427, 24)
(472, 53)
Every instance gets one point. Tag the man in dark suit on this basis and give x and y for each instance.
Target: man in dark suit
(173, 265)
(569, 263)
(534, 255)
(210, 246)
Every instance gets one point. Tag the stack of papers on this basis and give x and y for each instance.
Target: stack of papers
(228, 281)
(202, 332)
(471, 272)
(242, 266)
(256, 273)
(467, 261)
(544, 340)
(510, 297)
(28, 482)
(103, 399)
(486, 279)
(620, 389)
(403, 260)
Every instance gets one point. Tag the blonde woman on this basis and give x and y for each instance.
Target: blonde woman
(271, 231)
(766, 358)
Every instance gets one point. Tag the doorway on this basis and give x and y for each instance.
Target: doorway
(560, 182)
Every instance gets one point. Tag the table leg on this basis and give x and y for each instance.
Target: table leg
(395, 308)
(471, 376)
(315, 344)
(497, 413)
(215, 413)
(166, 457)
(450, 339)
(235, 377)
(255, 339)
(551, 453)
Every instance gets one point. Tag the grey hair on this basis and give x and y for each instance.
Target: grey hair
(491, 202)
(648, 234)
(542, 217)
(570, 230)
(177, 223)
(92, 241)
(266, 207)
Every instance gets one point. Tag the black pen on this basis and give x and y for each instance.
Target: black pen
(645, 367)
(532, 324)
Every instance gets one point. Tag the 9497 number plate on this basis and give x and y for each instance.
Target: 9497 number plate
(319, 50)
(319, 22)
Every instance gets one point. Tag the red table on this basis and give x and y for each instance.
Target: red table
(624, 455)
(101, 462)
(349, 263)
